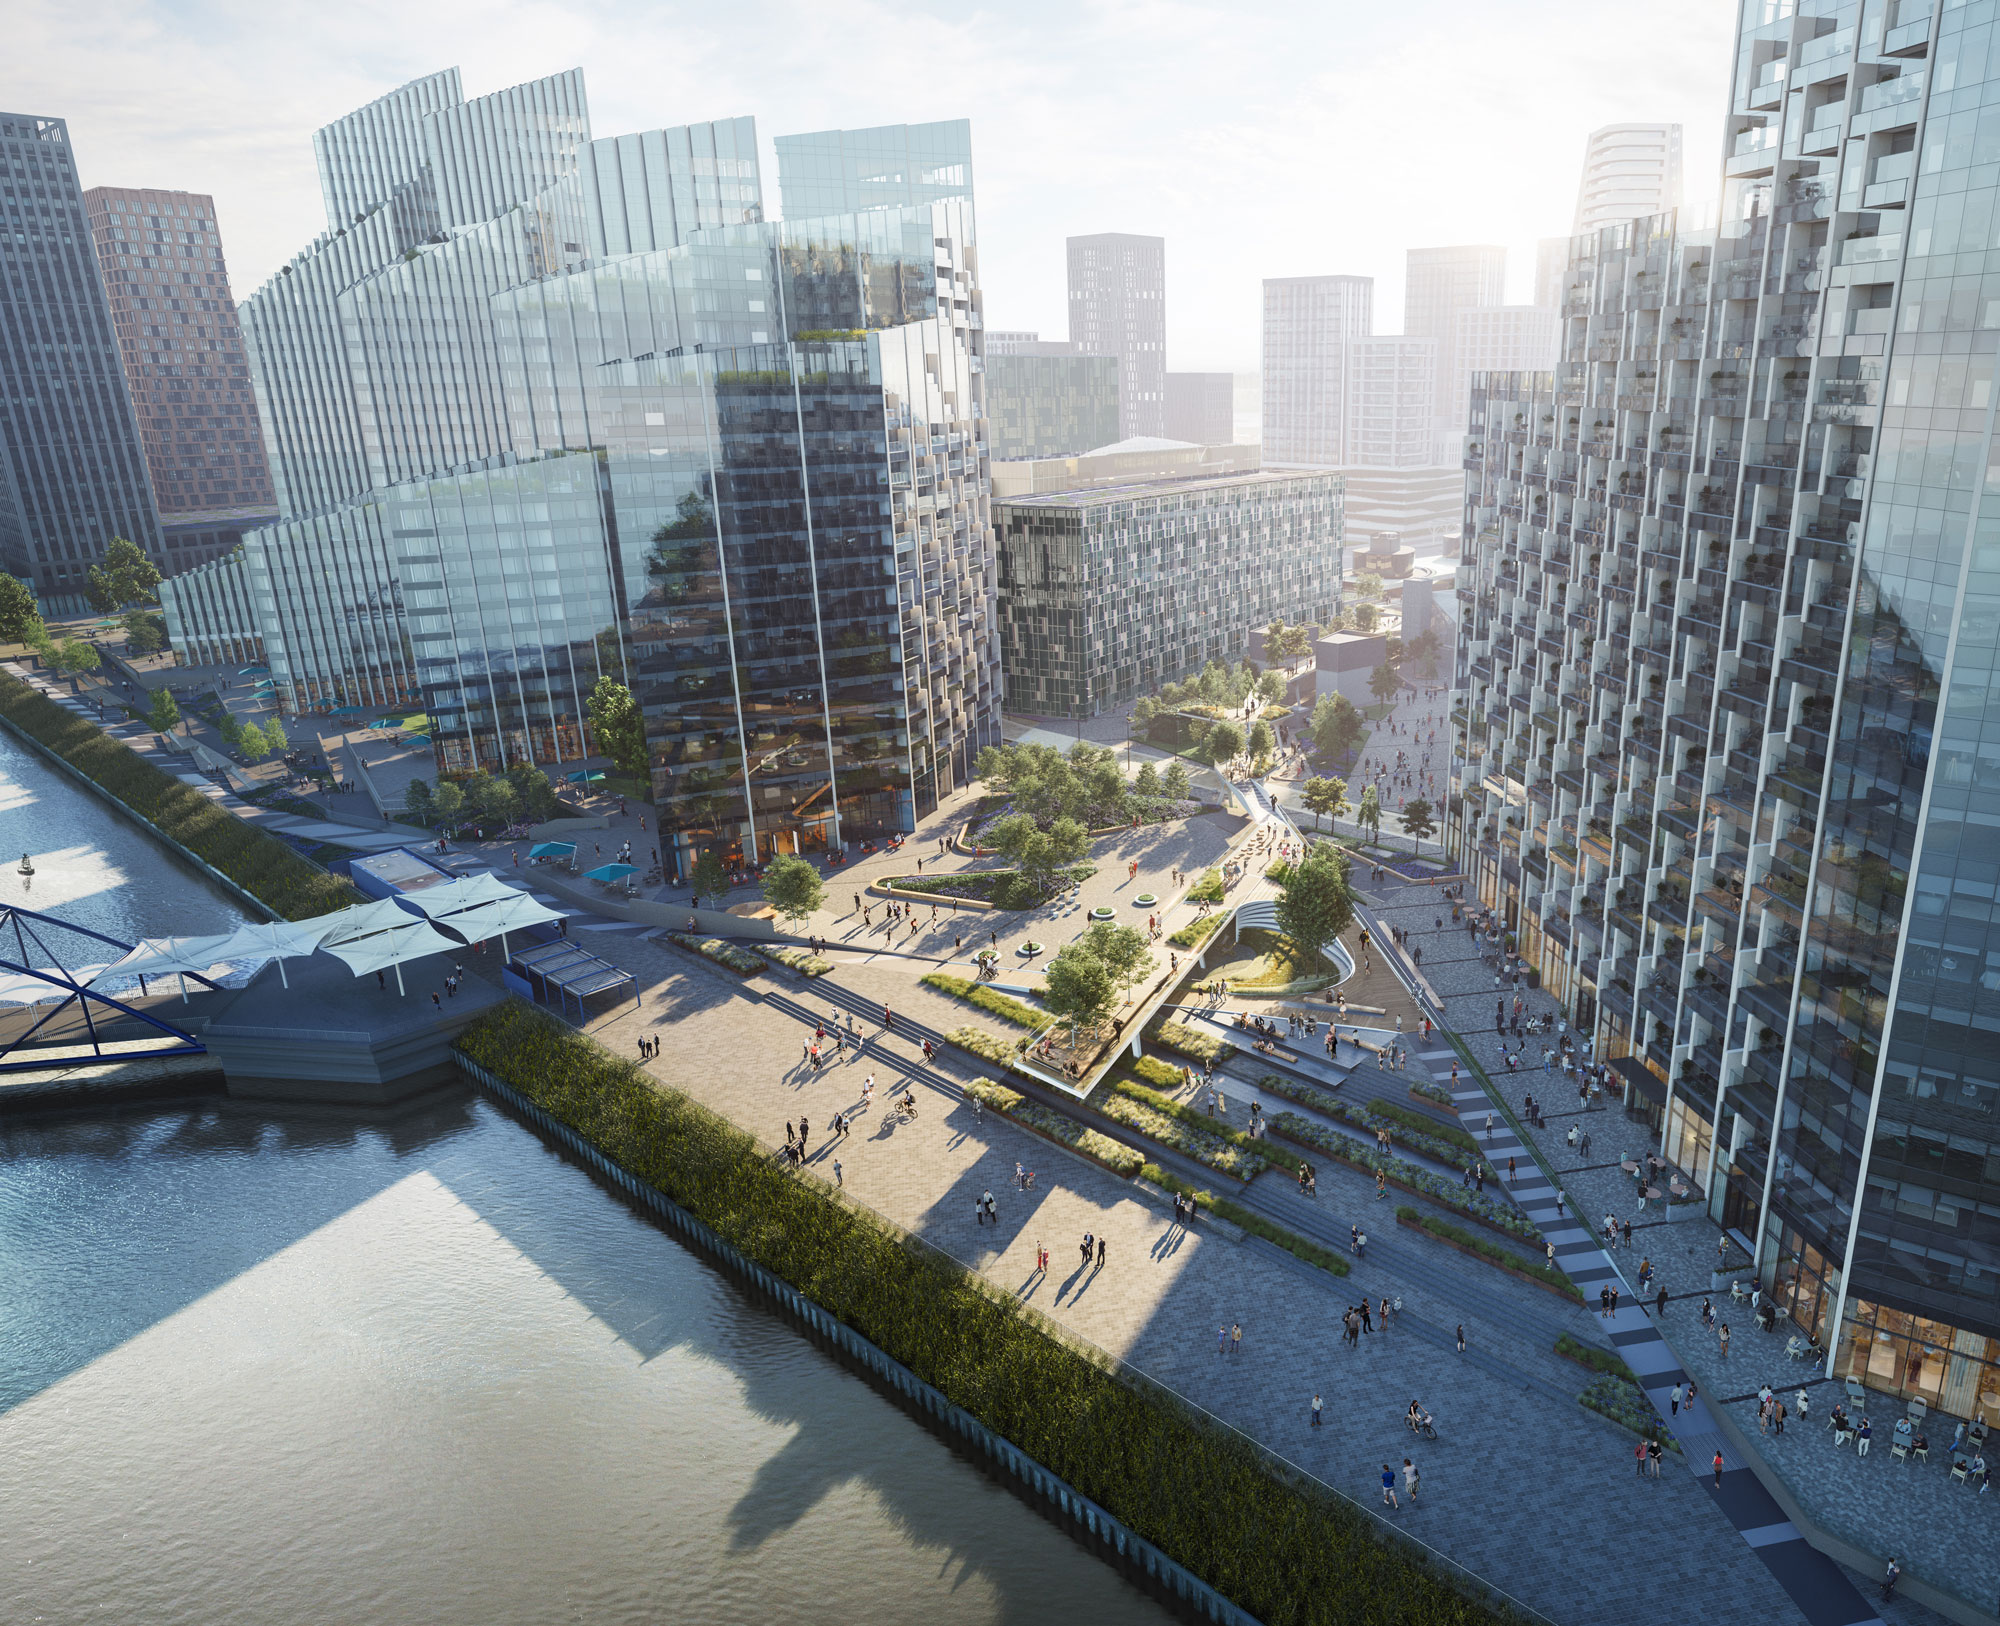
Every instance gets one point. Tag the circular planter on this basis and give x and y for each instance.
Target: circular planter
(1029, 950)
(1101, 914)
(987, 956)
(1146, 900)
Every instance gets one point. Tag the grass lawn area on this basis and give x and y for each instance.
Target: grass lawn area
(1264, 959)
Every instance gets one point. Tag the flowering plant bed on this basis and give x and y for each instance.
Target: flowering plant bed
(1191, 1042)
(986, 999)
(1435, 1095)
(1623, 1402)
(1181, 1129)
(1195, 932)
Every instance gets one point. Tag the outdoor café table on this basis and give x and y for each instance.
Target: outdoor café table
(1630, 1166)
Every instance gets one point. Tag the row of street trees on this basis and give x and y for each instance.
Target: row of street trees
(522, 792)
(1326, 798)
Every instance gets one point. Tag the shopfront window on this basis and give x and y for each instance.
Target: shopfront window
(1912, 1358)
(1690, 1138)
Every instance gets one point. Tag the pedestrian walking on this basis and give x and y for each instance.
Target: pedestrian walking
(1639, 1460)
(1222, 1340)
(1235, 1338)
(1654, 1453)
(1315, 1411)
(1100, 1247)
(1461, 1338)
(1724, 1336)
(1389, 1487)
(1410, 1480)
(837, 1180)
(1718, 1468)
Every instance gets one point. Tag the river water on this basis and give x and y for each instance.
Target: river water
(290, 1367)
(94, 867)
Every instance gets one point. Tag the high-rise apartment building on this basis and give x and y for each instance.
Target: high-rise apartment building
(72, 467)
(1551, 262)
(1118, 307)
(1004, 341)
(1501, 339)
(1391, 402)
(627, 428)
(1201, 408)
(1630, 171)
(1107, 593)
(894, 166)
(1727, 724)
(1438, 284)
(185, 366)
(1308, 324)
(1049, 405)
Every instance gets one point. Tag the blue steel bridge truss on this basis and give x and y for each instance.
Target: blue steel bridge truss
(26, 949)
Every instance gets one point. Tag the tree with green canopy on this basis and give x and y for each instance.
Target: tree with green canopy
(793, 887)
(1175, 780)
(1147, 781)
(1314, 903)
(251, 743)
(1122, 949)
(711, 877)
(145, 632)
(1037, 853)
(617, 728)
(125, 576)
(1325, 797)
(20, 619)
(1224, 744)
(74, 655)
(1418, 822)
(1369, 814)
(417, 805)
(1383, 682)
(447, 803)
(276, 737)
(1080, 986)
(1263, 739)
(534, 794)
(494, 798)
(1271, 688)
(163, 716)
(1337, 725)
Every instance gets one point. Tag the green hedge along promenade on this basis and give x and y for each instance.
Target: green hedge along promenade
(1282, 1548)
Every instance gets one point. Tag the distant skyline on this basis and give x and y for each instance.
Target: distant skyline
(1259, 139)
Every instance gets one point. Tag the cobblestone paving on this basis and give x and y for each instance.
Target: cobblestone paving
(1506, 1406)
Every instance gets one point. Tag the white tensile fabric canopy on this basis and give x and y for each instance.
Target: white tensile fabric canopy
(168, 956)
(389, 945)
(468, 892)
(345, 924)
(513, 913)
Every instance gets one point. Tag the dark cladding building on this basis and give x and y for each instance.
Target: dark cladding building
(185, 365)
(1107, 593)
(73, 474)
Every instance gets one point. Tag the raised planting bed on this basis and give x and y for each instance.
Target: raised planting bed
(803, 961)
(1623, 1402)
(980, 997)
(988, 1047)
(1477, 1247)
(1146, 900)
(1195, 932)
(1208, 889)
(1434, 1095)
(1255, 1224)
(1029, 949)
(1186, 1130)
(1059, 1127)
(1101, 913)
(1190, 1042)
(1452, 1147)
(1593, 1359)
(1405, 1176)
(1416, 1124)
(994, 888)
(739, 960)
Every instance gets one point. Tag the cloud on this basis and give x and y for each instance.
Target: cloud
(1261, 139)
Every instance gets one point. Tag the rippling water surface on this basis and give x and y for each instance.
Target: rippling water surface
(286, 1367)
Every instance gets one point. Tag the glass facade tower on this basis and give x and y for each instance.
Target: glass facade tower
(72, 466)
(893, 166)
(626, 428)
(1730, 743)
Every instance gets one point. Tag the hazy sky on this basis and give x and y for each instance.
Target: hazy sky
(1259, 139)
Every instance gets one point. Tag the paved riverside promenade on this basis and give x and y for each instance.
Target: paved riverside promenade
(1527, 1489)
(1941, 1532)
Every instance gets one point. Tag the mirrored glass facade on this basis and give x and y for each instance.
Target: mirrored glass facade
(741, 468)
(893, 166)
(1730, 743)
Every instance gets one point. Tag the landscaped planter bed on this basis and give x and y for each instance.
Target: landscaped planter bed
(1473, 1248)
